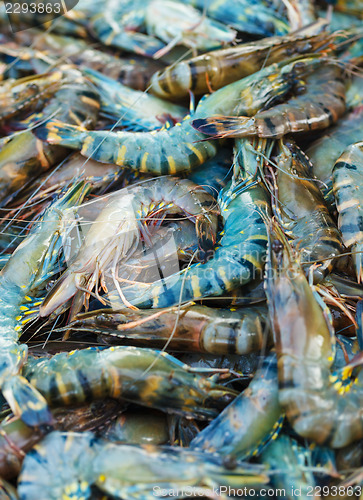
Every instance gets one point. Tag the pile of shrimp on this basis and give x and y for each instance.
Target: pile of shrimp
(181, 249)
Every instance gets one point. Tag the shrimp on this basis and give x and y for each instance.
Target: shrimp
(177, 23)
(256, 17)
(240, 253)
(325, 151)
(133, 109)
(141, 472)
(348, 192)
(222, 67)
(319, 107)
(134, 71)
(234, 432)
(171, 22)
(24, 156)
(287, 461)
(60, 466)
(65, 465)
(18, 95)
(16, 438)
(28, 264)
(145, 376)
(317, 404)
(124, 215)
(198, 328)
(173, 150)
(302, 212)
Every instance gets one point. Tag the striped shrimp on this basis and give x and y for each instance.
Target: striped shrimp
(175, 149)
(124, 216)
(177, 23)
(320, 106)
(134, 71)
(123, 25)
(66, 465)
(133, 109)
(197, 328)
(234, 432)
(302, 212)
(257, 17)
(317, 404)
(144, 472)
(348, 192)
(24, 156)
(28, 264)
(18, 95)
(145, 376)
(239, 257)
(222, 67)
(324, 152)
(175, 240)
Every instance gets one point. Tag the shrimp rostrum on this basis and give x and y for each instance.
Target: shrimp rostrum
(317, 404)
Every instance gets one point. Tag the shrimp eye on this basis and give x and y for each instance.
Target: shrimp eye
(276, 246)
(230, 462)
(49, 285)
(300, 89)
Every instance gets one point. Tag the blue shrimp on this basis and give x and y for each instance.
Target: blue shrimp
(234, 432)
(66, 465)
(144, 376)
(348, 192)
(133, 109)
(239, 257)
(256, 17)
(173, 150)
(318, 404)
(28, 265)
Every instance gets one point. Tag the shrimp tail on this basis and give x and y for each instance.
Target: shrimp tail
(26, 402)
(225, 126)
(57, 132)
